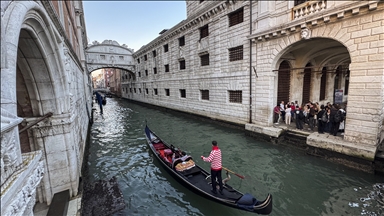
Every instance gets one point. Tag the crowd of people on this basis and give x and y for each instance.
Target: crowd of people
(329, 118)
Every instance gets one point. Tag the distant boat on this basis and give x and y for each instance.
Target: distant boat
(196, 179)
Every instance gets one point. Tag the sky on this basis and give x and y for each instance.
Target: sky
(134, 23)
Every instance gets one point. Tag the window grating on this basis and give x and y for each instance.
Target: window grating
(166, 48)
(166, 67)
(182, 93)
(139, 74)
(166, 92)
(145, 58)
(155, 90)
(235, 96)
(146, 72)
(204, 60)
(236, 17)
(236, 53)
(138, 60)
(182, 64)
(155, 70)
(182, 41)
(146, 91)
(204, 94)
(134, 90)
(204, 32)
(140, 90)
(130, 90)
(154, 53)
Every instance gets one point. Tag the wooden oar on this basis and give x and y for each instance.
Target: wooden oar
(240, 176)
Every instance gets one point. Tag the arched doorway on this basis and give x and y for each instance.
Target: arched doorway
(307, 83)
(284, 82)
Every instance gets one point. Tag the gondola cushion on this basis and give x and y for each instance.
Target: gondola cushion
(167, 151)
(247, 201)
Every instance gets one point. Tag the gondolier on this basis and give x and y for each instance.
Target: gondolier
(215, 159)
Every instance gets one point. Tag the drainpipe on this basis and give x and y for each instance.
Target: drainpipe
(250, 62)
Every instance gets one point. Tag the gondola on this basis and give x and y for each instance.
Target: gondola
(182, 167)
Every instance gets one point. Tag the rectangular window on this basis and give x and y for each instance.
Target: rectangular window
(235, 96)
(138, 60)
(236, 53)
(145, 58)
(165, 48)
(297, 2)
(155, 90)
(154, 70)
(134, 90)
(166, 92)
(102, 57)
(146, 91)
(139, 74)
(204, 94)
(236, 17)
(146, 72)
(204, 32)
(166, 68)
(204, 60)
(121, 57)
(182, 64)
(130, 90)
(154, 53)
(182, 93)
(140, 90)
(182, 41)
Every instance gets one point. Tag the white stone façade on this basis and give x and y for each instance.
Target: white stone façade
(43, 76)
(326, 46)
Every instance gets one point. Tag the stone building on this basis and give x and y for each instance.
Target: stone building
(45, 101)
(235, 60)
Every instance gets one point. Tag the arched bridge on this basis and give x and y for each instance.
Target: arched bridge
(109, 54)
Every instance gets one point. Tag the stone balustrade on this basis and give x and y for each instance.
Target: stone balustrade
(308, 8)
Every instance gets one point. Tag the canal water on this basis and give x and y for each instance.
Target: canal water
(300, 184)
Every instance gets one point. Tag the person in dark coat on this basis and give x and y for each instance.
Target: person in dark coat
(321, 124)
(335, 124)
(99, 99)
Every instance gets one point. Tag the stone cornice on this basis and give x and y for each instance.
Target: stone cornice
(216, 7)
(312, 20)
(52, 14)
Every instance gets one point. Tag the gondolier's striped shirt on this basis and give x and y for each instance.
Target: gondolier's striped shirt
(214, 158)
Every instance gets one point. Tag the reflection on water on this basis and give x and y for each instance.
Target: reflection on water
(300, 184)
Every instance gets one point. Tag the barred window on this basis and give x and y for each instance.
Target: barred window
(236, 17)
(204, 32)
(182, 64)
(145, 58)
(138, 60)
(166, 67)
(140, 90)
(236, 53)
(166, 48)
(297, 2)
(155, 70)
(134, 90)
(182, 93)
(130, 90)
(155, 91)
(146, 72)
(204, 60)
(235, 96)
(146, 91)
(182, 41)
(166, 92)
(204, 94)
(154, 53)
(139, 74)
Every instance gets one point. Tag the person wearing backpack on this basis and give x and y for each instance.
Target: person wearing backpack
(322, 119)
(335, 119)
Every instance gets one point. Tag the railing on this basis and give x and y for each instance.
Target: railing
(308, 8)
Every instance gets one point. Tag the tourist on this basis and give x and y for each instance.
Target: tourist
(99, 99)
(299, 118)
(282, 110)
(276, 114)
(335, 120)
(215, 159)
(288, 115)
(321, 123)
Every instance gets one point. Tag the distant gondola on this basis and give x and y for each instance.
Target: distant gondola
(195, 178)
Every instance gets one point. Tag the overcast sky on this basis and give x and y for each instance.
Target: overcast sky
(134, 23)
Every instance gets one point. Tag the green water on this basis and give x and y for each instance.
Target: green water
(300, 184)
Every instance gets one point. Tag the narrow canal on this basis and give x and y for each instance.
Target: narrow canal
(300, 184)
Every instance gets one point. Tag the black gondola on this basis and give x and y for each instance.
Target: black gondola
(195, 178)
